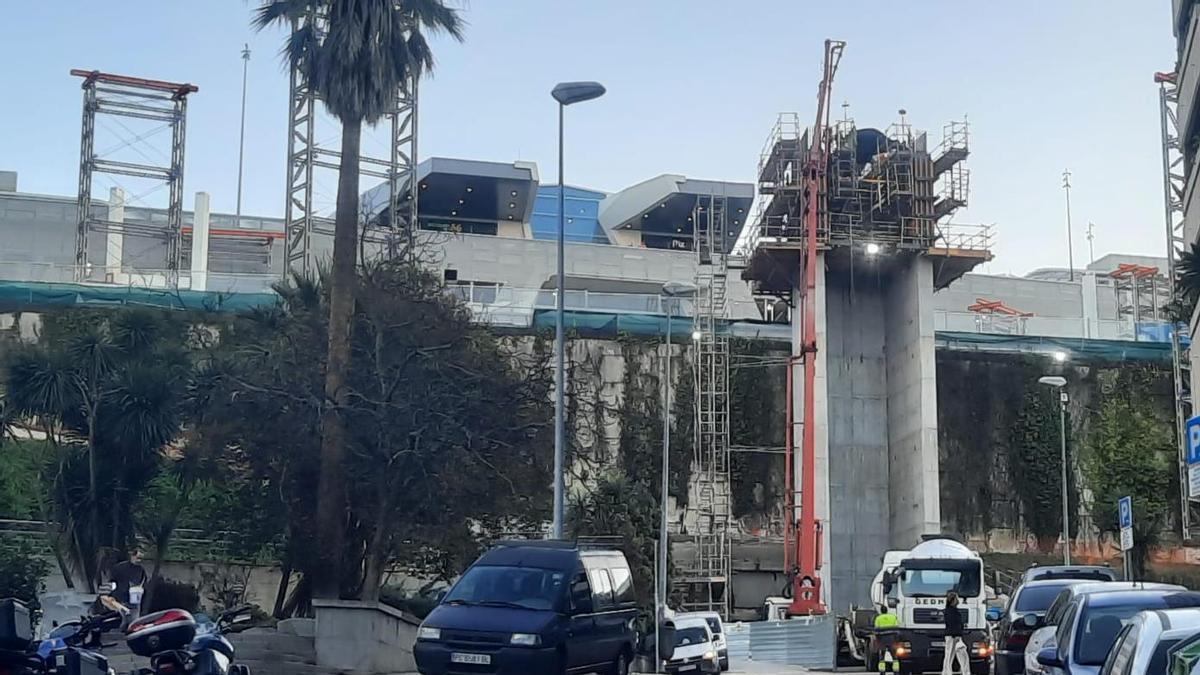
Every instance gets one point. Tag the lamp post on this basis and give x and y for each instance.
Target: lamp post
(566, 93)
(672, 291)
(1059, 383)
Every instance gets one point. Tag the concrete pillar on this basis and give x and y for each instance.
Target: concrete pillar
(114, 239)
(1091, 306)
(200, 215)
(912, 404)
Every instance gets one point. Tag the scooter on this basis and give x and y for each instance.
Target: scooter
(177, 643)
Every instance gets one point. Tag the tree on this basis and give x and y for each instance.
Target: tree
(1130, 452)
(448, 425)
(1036, 464)
(370, 48)
(625, 511)
(1187, 284)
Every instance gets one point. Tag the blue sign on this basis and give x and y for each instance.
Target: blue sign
(1125, 512)
(1193, 440)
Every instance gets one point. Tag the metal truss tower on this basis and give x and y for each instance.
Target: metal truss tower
(706, 581)
(395, 227)
(1174, 184)
(133, 97)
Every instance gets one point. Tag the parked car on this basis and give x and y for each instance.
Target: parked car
(695, 647)
(718, 630)
(1026, 609)
(1086, 572)
(1144, 645)
(534, 607)
(1092, 623)
(1044, 636)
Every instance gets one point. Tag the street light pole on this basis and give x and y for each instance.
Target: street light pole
(1059, 383)
(565, 93)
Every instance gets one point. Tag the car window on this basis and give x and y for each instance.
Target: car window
(1098, 628)
(1037, 598)
(1055, 612)
(528, 587)
(1120, 657)
(1063, 635)
(714, 624)
(581, 594)
(1158, 662)
(622, 582)
(601, 589)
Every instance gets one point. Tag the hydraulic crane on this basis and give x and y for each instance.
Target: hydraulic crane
(803, 535)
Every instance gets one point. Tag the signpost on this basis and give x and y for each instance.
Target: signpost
(1193, 456)
(1125, 519)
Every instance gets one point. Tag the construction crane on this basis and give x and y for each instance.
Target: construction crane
(803, 540)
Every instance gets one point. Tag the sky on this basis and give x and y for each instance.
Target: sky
(694, 87)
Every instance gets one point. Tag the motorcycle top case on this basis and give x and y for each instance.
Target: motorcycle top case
(161, 631)
(79, 662)
(16, 626)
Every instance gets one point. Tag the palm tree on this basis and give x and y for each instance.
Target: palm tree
(1187, 283)
(369, 49)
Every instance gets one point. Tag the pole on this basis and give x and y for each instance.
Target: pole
(1070, 245)
(663, 544)
(1066, 528)
(237, 219)
(657, 617)
(559, 350)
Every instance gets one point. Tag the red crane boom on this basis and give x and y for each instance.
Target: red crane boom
(807, 543)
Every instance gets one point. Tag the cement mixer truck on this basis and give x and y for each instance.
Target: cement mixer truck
(913, 585)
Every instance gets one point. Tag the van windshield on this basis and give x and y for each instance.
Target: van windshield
(516, 587)
(694, 635)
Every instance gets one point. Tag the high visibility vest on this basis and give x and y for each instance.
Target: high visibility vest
(887, 621)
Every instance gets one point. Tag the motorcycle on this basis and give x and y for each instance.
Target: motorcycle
(71, 648)
(177, 643)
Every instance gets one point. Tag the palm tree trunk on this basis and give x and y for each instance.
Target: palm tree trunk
(331, 493)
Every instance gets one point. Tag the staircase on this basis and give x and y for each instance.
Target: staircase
(265, 650)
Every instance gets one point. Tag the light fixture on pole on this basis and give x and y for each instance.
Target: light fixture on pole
(872, 248)
(566, 93)
(672, 291)
(1059, 357)
(1059, 383)
(1066, 183)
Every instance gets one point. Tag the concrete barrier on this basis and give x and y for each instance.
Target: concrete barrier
(364, 637)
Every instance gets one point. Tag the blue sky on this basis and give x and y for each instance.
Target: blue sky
(694, 87)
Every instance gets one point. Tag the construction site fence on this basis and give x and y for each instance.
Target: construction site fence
(803, 641)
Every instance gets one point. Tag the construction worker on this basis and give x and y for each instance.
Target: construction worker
(886, 621)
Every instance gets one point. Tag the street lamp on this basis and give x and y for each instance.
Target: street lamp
(1059, 383)
(1059, 357)
(565, 93)
(872, 248)
(672, 291)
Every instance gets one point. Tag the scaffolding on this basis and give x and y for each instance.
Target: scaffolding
(394, 228)
(142, 99)
(1174, 185)
(1141, 293)
(704, 583)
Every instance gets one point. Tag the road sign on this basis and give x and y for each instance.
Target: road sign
(1192, 432)
(1125, 519)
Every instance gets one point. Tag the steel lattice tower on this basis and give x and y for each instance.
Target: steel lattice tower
(132, 97)
(395, 228)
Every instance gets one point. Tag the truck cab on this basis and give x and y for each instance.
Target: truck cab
(914, 584)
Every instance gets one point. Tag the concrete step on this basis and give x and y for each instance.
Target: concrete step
(277, 642)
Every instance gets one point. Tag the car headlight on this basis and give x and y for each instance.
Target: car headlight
(429, 633)
(525, 640)
(710, 655)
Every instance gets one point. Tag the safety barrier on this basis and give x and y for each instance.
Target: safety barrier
(807, 642)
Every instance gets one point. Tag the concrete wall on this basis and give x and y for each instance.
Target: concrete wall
(858, 434)
(912, 404)
(359, 637)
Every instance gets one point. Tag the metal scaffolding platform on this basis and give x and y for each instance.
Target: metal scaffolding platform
(395, 227)
(703, 582)
(137, 98)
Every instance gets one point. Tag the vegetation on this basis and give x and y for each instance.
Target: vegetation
(370, 48)
(21, 573)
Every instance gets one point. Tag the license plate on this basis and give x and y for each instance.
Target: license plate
(473, 659)
(684, 669)
(937, 643)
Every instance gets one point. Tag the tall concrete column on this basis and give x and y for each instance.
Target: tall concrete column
(114, 238)
(912, 404)
(1091, 306)
(200, 230)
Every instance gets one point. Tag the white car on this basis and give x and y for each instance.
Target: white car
(715, 625)
(1043, 637)
(695, 647)
(1142, 646)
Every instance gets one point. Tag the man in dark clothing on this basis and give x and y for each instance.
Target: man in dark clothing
(128, 578)
(956, 649)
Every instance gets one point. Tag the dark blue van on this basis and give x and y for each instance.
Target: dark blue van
(534, 607)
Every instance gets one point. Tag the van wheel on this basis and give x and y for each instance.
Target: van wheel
(621, 666)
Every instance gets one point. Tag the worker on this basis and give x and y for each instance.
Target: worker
(885, 620)
(956, 649)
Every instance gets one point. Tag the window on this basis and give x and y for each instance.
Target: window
(622, 582)
(1036, 598)
(526, 587)
(1099, 627)
(581, 594)
(602, 596)
(1120, 657)
(931, 583)
(691, 635)
(1063, 634)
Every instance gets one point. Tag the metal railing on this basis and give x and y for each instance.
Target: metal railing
(1044, 326)
(51, 272)
(965, 236)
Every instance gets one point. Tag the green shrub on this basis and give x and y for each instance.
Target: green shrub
(21, 574)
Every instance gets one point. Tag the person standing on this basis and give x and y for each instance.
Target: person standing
(956, 649)
(129, 581)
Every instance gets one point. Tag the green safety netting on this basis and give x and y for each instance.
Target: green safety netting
(40, 295)
(1185, 657)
